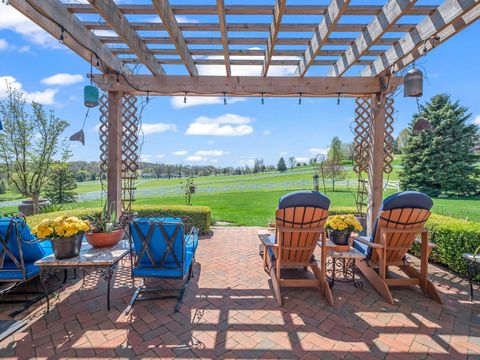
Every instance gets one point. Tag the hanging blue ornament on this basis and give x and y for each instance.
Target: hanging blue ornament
(1, 125)
(91, 96)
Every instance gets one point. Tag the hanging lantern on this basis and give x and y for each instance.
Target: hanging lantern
(91, 96)
(413, 83)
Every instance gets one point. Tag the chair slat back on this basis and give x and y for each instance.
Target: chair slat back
(399, 243)
(296, 248)
(159, 244)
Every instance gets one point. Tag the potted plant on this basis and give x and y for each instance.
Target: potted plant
(105, 231)
(65, 233)
(340, 227)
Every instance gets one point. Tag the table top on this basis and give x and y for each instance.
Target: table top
(470, 257)
(89, 256)
(352, 253)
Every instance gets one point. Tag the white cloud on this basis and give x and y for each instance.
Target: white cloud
(184, 19)
(266, 132)
(63, 79)
(160, 156)
(316, 151)
(177, 102)
(11, 19)
(195, 158)
(211, 153)
(303, 159)
(149, 129)
(283, 153)
(104, 32)
(145, 157)
(180, 152)
(247, 70)
(45, 97)
(224, 125)
(477, 120)
(3, 44)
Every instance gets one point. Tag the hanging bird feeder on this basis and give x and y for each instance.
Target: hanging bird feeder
(91, 96)
(413, 83)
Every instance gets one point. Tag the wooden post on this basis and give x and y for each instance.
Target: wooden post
(114, 173)
(375, 161)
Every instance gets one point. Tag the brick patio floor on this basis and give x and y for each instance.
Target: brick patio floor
(229, 312)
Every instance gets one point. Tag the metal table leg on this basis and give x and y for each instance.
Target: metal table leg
(470, 273)
(43, 280)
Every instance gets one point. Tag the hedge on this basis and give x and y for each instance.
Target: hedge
(201, 215)
(453, 238)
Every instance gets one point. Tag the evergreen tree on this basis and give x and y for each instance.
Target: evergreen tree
(441, 159)
(281, 165)
(61, 185)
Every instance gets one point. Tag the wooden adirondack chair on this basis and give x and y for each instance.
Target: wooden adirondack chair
(402, 218)
(298, 230)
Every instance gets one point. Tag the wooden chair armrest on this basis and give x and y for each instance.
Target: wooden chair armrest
(430, 244)
(267, 240)
(367, 242)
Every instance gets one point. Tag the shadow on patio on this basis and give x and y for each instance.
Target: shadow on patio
(229, 311)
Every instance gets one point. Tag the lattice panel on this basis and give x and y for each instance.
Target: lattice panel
(389, 140)
(361, 129)
(130, 149)
(103, 134)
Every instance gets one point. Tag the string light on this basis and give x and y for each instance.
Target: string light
(148, 97)
(185, 98)
(300, 99)
(118, 80)
(338, 99)
(224, 99)
(262, 101)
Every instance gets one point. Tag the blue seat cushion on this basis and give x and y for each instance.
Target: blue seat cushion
(304, 198)
(10, 272)
(169, 269)
(400, 200)
(32, 250)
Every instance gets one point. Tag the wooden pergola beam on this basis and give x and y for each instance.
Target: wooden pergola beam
(52, 16)
(242, 52)
(243, 40)
(115, 18)
(163, 9)
(244, 27)
(245, 85)
(282, 62)
(458, 25)
(444, 16)
(335, 10)
(222, 23)
(144, 9)
(383, 22)
(278, 11)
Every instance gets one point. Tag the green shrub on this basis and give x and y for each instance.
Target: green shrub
(453, 238)
(201, 215)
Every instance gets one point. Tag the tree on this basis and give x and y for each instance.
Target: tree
(332, 167)
(401, 140)
(292, 162)
(441, 159)
(335, 152)
(348, 150)
(28, 143)
(281, 166)
(258, 165)
(61, 184)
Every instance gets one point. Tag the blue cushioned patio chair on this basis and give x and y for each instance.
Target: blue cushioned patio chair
(401, 219)
(19, 250)
(162, 248)
(300, 221)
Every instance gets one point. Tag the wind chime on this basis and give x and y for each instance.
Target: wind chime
(91, 97)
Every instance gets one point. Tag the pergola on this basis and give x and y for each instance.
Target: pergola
(359, 47)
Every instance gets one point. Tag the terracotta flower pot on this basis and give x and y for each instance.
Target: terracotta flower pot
(100, 240)
(66, 248)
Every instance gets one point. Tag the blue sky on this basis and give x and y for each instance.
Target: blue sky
(206, 131)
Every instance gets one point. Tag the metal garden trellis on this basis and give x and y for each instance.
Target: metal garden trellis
(389, 37)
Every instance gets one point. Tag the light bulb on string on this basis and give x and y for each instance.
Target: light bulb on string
(224, 99)
(262, 101)
(62, 37)
(185, 98)
(338, 99)
(300, 99)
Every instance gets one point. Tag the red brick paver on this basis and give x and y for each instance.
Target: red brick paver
(229, 312)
